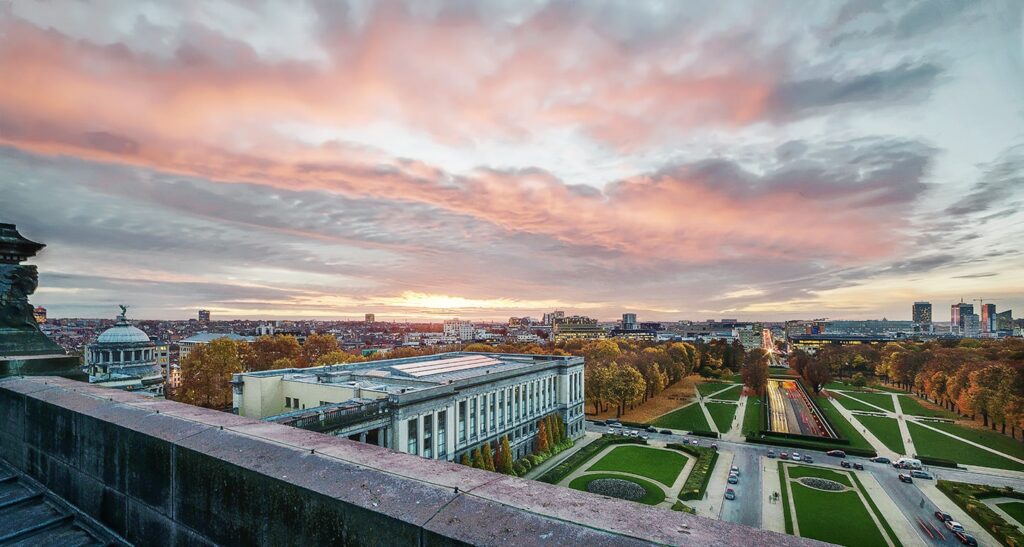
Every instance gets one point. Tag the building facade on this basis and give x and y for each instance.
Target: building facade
(459, 329)
(187, 345)
(436, 406)
(921, 316)
(124, 357)
(369, 318)
(988, 318)
(204, 316)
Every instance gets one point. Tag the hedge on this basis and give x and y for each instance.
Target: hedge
(789, 443)
(711, 434)
(568, 465)
(969, 496)
(679, 506)
(700, 474)
(938, 462)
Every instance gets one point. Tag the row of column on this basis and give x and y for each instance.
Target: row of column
(121, 356)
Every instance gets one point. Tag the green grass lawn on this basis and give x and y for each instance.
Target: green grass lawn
(752, 416)
(912, 405)
(661, 465)
(1015, 509)
(786, 514)
(936, 445)
(689, 418)
(991, 439)
(878, 399)
(722, 413)
(835, 517)
(843, 386)
(707, 388)
(887, 430)
(654, 495)
(731, 394)
(844, 427)
(853, 404)
(798, 471)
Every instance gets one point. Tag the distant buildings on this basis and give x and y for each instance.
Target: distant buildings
(39, 313)
(435, 406)
(459, 329)
(578, 331)
(629, 321)
(988, 318)
(1004, 321)
(957, 317)
(922, 316)
(370, 318)
(187, 345)
(124, 357)
(204, 316)
(552, 318)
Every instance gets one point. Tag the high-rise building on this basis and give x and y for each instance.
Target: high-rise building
(1004, 321)
(956, 316)
(971, 324)
(204, 316)
(463, 330)
(922, 314)
(370, 318)
(988, 318)
(628, 321)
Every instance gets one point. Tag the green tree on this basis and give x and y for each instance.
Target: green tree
(206, 374)
(627, 387)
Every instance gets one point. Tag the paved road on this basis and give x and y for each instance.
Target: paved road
(746, 509)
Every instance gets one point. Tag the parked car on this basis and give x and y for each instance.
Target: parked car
(966, 539)
(665, 432)
(733, 479)
(645, 436)
(784, 456)
(836, 453)
(611, 431)
(730, 494)
(652, 429)
(613, 424)
(858, 466)
(954, 526)
(714, 446)
(921, 474)
(943, 517)
(881, 459)
(846, 464)
(599, 422)
(771, 453)
(694, 442)
(734, 469)
(905, 478)
(795, 456)
(808, 459)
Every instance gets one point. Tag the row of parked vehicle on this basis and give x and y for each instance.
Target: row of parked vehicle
(734, 478)
(795, 456)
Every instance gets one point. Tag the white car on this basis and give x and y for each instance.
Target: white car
(795, 457)
(954, 526)
(734, 470)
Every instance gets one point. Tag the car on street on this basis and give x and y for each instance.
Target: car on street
(665, 432)
(771, 453)
(808, 459)
(645, 436)
(730, 494)
(611, 431)
(943, 517)
(920, 474)
(846, 464)
(954, 526)
(734, 469)
(881, 459)
(733, 479)
(965, 538)
(858, 466)
(598, 422)
(905, 478)
(784, 456)
(795, 456)
(714, 446)
(694, 442)
(836, 453)
(651, 429)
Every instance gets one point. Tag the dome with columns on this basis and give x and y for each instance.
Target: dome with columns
(123, 356)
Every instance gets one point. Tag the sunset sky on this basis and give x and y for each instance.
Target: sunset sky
(428, 159)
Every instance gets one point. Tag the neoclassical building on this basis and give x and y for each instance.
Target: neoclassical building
(124, 357)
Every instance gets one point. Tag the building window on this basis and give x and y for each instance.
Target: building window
(516, 415)
(428, 435)
(287, 402)
(493, 417)
(442, 437)
(501, 409)
(483, 413)
(462, 421)
(411, 425)
(472, 418)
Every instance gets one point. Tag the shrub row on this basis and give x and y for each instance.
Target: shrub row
(562, 470)
(792, 443)
(700, 474)
(699, 433)
(969, 496)
(938, 462)
(806, 438)
(679, 506)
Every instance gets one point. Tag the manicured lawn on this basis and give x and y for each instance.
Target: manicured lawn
(843, 385)
(661, 465)
(878, 399)
(1015, 509)
(752, 416)
(835, 517)
(912, 405)
(722, 413)
(844, 427)
(936, 445)
(688, 418)
(991, 439)
(654, 495)
(707, 388)
(797, 471)
(853, 404)
(887, 430)
(731, 394)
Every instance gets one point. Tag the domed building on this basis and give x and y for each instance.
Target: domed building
(124, 357)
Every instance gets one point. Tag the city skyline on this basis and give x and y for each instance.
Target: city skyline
(435, 160)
